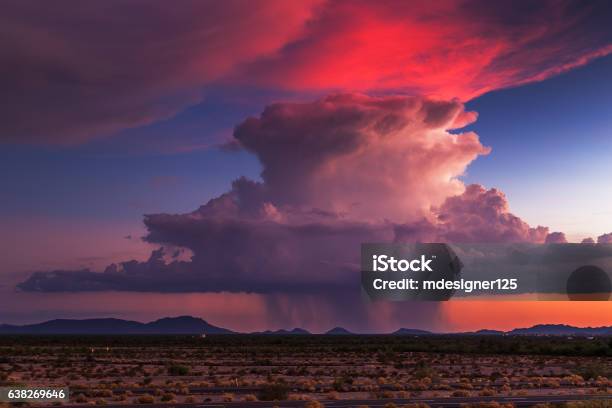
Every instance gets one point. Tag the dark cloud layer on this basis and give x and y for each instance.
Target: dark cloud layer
(72, 71)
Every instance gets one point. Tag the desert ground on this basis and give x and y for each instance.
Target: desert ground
(315, 369)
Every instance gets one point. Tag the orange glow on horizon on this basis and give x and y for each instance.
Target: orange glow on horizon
(507, 315)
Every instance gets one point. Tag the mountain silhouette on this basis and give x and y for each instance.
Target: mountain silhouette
(562, 330)
(195, 325)
(487, 332)
(294, 331)
(338, 331)
(167, 325)
(411, 332)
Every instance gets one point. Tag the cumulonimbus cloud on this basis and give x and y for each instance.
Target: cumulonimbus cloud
(337, 172)
(71, 72)
(362, 157)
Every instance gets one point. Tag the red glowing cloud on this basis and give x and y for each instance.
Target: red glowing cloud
(449, 49)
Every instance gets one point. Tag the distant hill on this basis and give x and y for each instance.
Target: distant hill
(483, 332)
(411, 332)
(297, 330)
(561, 330)
(338, 331)
(195, 325)
(168, 325)
(487, 332)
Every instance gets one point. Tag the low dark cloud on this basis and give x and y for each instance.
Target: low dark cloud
(72, 71)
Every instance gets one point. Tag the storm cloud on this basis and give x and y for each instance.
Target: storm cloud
(337, 172)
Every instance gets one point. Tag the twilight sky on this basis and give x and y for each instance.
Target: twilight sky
(259, 143)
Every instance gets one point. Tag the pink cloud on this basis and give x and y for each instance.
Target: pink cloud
(477, 215)
(446, 48)
(362, 157)
(556, 238)
(337, 172)
(605, 239)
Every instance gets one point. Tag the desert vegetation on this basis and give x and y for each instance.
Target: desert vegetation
(188, 369)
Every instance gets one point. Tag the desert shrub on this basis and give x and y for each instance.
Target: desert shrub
(385, 394)
(190, 400)
(144, 399)
(250, 397)
(390, 405)
(495, 375)
(460, 393)
(403, 394)
(177, 369)
(80, 399)
(100, 402)
(592, 371)
(228, 397)
(168, 397)
(552, 383)
(423, 370)
(573, 379)
(333, 395)
(273, 392)
(590, 404)
(486, 392)
(487, 404)
(313, 404)
(105, 393)
(416, 405)
(299, 397)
